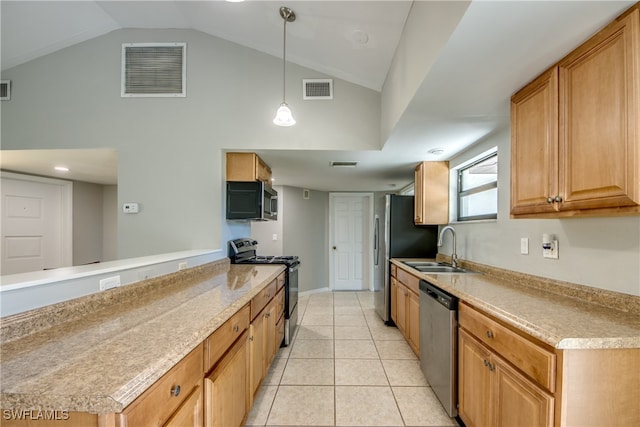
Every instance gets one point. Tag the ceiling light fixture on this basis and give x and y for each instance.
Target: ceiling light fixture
(61, 168)
(283, 115)
(436, 151)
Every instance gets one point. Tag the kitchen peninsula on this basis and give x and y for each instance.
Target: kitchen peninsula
(88, 361)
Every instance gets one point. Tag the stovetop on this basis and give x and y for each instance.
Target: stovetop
(243, 251)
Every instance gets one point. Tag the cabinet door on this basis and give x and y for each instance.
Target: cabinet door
(418, 191)
(394, 300)
(413, 322)
(401, 313)
(599, 119)
(256, 353)
(518, 401)
(190, 413)
(431, 193)
(534, 145)
(227, 398)
(474, 382)
(270, 321)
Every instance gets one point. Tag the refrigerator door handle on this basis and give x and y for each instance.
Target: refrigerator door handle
(376, 241)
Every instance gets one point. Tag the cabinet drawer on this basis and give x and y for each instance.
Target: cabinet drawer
(409, 280)
(280, 281)
(535, 361)
(221, 340)
(159, 402)
(262, 299)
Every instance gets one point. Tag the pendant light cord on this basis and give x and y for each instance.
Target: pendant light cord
(284, 56)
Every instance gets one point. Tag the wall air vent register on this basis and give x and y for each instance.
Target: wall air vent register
(317, 89)
(154, 70)
(5, 90)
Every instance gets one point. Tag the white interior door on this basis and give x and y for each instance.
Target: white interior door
(36, 223)
(350, 229)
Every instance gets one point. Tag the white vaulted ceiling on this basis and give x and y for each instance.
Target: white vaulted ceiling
(496, 48)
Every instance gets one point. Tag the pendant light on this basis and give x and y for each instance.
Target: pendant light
(283, 115)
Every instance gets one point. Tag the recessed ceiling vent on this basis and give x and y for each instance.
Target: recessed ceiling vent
(317, 88)
(344, 164)
(154, 70)
(5, 90)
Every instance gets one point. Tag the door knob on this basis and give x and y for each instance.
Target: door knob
(335, 247)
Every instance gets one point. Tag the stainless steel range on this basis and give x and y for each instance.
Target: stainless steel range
(243, 251)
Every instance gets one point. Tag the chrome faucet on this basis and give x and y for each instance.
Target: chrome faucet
(454, 255)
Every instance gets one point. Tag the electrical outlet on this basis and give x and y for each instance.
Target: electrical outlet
(524, 246)
(109, 282)
(550, 249)
(182, 265)
(274, 237)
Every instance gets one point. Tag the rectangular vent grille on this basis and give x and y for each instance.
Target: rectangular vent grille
(317, 89)
(154, 70)
(5, 90)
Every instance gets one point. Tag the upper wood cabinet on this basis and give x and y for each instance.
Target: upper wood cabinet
(247, 167)
(431, 190)
(575, 130)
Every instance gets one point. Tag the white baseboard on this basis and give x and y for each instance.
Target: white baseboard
(314, 291)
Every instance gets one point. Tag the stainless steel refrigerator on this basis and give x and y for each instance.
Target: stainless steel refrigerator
(396, 236)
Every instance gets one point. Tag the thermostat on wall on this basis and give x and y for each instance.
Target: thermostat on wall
(130, 208)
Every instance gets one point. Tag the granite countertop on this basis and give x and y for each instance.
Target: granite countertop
(113, 346)
(555, 316)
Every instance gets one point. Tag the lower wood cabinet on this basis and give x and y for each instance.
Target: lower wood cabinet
(265, 336)
(405, 307)
(491, 393)
(176, 396)
(227, 387)
(190, 413)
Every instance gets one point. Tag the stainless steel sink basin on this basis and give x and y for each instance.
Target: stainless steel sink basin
(437, 267)
(424, 263)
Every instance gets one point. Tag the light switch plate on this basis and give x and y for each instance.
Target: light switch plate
(524, 246)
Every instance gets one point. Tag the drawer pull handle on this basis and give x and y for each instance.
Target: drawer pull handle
(175, 390)
(236, 328)
(489, 334)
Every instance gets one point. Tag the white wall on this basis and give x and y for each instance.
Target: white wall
(170, 149)
(110, 223)
(87, 222)
(427, 30)
(305, 231)
(599, 252)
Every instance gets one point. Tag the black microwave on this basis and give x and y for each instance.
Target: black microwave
(254, 201)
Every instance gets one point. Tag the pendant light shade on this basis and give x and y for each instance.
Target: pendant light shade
(283, 115)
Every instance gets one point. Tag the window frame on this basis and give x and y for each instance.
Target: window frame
(475, 190)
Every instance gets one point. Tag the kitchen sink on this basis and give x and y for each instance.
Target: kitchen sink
(415, 264)
(437, 268)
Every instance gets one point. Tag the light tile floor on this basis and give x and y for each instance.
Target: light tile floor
(345, 368)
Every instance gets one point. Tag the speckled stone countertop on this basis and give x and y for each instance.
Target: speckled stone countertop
(98, 353)
(558, 315)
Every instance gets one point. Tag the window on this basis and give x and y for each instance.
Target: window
(478, 189)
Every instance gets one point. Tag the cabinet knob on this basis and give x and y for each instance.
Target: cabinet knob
(175, 390)
(486, 362)
(236, 328)
(489, 334)
(251, 338)
(549, 199)
(557, 199)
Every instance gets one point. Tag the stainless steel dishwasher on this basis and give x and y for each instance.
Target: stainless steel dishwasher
(439, 343)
